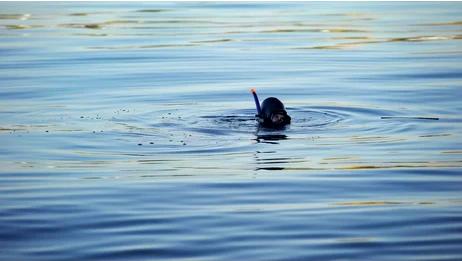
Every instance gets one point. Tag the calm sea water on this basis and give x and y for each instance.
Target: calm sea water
(127, 131)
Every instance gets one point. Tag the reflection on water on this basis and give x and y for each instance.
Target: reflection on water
(270, 137)
(128, 132)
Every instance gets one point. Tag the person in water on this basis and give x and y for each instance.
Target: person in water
(271, 113)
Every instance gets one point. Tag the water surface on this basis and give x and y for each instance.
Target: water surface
(128, 131)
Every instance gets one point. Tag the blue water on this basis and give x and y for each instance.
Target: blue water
(127, 131)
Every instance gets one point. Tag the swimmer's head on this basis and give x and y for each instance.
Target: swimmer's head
(273, 113)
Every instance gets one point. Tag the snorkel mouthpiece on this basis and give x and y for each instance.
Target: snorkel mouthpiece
(257, 102)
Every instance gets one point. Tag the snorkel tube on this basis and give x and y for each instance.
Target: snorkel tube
(257, 102)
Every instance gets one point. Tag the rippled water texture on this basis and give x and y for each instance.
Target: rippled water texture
(127, 131)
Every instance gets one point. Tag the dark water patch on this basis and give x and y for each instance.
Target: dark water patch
(229, 122)
(117, 22)
(452, 152)
(301, 30)
(92, 34)
(16, 26)
(356, 15)
(214, 41)
(443, 23)
(79, 14)
(100, 25)
(342, 30)
(425, 38)
(187, 22)
(369, 41)
(353, 38)
(14, 16)
(326, 47)
(406, 165)
(152, 10)
(409, 118)
(84, 26)
(270, 137)
(368, 203)
(450, 74)
(435, 135)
